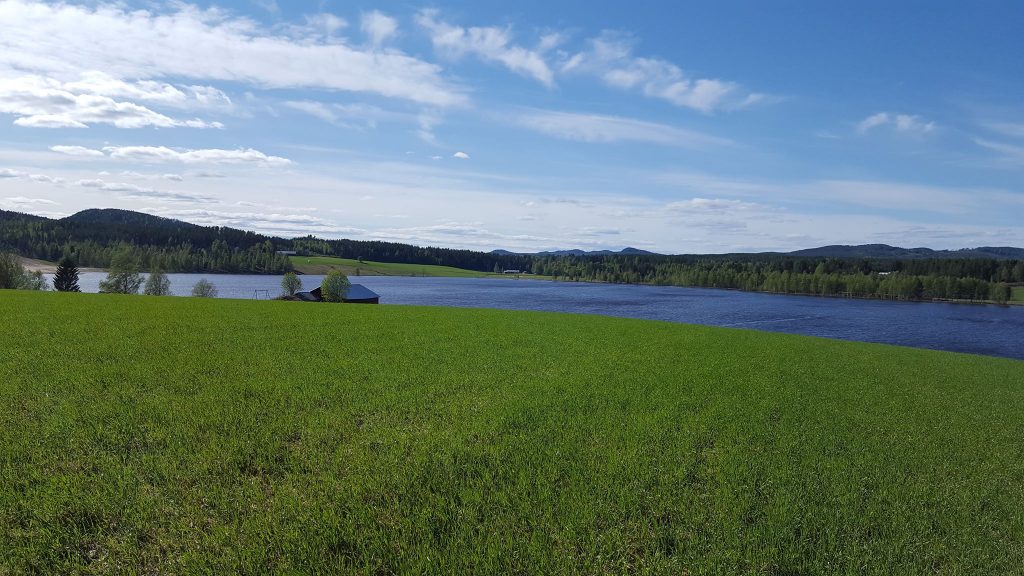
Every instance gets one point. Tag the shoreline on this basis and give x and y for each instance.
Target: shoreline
(33, 265)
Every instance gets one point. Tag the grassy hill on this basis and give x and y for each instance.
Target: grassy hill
(179, 435)
(351, 267)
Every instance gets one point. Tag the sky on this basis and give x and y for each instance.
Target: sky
(676, 127)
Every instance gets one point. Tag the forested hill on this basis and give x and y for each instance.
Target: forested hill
(95, 236)
(894, 252)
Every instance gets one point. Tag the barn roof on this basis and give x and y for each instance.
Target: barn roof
(360, 292)
(356, 293)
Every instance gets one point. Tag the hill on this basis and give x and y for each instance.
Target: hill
(115, 217)
(180, 435)
(577, 252)
(175, 246)
(884, 251)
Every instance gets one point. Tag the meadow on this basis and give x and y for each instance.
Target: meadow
(351, 267)
(1018, 294)
(184, 435)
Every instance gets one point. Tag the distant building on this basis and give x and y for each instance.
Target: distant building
(287, 252)
(512, 272)
(357, 294)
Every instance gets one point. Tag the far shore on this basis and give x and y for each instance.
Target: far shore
(33, 265)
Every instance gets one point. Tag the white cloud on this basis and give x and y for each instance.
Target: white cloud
(1011, 129)
(133, 174)
(379, 27)
(206, 174)
(155, 154)
(76, 151)
(160, 93)
(44, 179)
(704, 205)
(60, 40)
(23, 201)
(600, 128)
(133, 191)
(324, 24)
(358, 116)
(490, 43)
(1009, 153)
(264, 222)
(610, 57)
(905, 123)
(202, 156)
(461, 155)
(40, 102)
(7, 173)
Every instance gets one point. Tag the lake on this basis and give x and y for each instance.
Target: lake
(977, 329)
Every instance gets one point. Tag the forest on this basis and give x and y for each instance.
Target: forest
(934, 279)
(94, 237)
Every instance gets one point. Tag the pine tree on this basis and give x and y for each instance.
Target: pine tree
(66, 278)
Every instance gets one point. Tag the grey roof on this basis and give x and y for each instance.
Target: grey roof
(360, 292)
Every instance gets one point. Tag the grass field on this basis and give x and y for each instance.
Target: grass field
(322, 264)
(180, 435)
(1018, 294)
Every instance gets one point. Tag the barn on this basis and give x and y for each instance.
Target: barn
(357, 294)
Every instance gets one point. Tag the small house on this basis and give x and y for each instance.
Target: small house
(357, 294)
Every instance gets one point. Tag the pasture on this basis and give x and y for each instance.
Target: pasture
(181, 435)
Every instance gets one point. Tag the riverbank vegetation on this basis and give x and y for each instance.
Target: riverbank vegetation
(949, 279)
(187, 435)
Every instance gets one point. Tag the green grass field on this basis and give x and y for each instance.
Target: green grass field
(1018, 294)
(180, 435)
(322, 264)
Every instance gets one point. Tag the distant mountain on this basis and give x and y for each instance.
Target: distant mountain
(577, 252)
(894, 252)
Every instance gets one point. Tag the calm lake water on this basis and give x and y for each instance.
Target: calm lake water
(977, 329)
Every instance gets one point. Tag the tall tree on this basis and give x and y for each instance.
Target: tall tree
(66, 278)
(123, 277)
(291, 284)
(11, 271)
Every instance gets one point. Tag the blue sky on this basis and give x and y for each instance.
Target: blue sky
(675, 127)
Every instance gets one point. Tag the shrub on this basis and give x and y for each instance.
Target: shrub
(204, 289)
(157, 284)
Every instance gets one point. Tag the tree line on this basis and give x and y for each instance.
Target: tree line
(966, 279)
